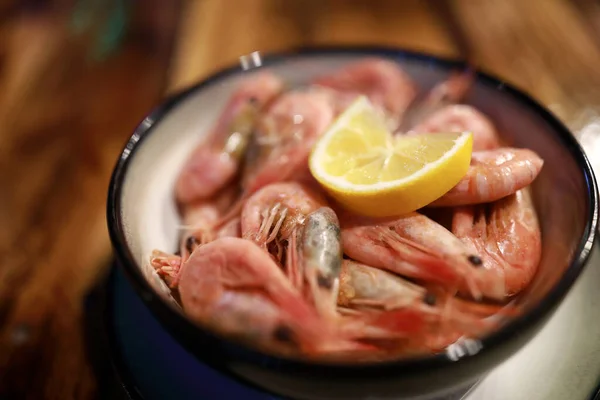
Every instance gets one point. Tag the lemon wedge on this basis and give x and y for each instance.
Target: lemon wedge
(371, 172)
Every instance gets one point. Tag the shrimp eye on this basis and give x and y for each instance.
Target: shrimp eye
(253, 100)
(475, 260)
(324, 282)
(429, 299)
(284, 334)
(190, 243)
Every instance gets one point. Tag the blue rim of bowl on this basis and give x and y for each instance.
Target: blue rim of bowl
(209, 347)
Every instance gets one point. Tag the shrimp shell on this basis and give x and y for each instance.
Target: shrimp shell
(227, 264)
(285, 137)
(363, 285)
(493, 174)
(506, 234)
(412, 245)
(214, 278)
(215, 161)
(263, 210)
(382, 81)
(406, 311)
(461, 118)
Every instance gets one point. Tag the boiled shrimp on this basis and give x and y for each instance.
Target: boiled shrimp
(412, 245)
(225, 265)
(303, 235)
(275, 214)
(507, 236)
(282, 143)
(365, 286)
(285, 137)
(493, 174)
(404, 315)
(221, 279)
(382, 81)
(461, 118)
(407, 317)
(215, 162)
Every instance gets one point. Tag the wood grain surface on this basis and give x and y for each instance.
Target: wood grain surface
(64, 119)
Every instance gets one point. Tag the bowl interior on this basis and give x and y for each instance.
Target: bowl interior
(149, 215)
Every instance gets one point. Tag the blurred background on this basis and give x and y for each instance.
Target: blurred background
(76, 76)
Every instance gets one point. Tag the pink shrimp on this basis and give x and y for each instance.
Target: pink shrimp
(460, 118)
(276, 212)
(493, 174)
(285, 137)
(383, 81)
(412, 245)
(282, 143)
(365, 286)
(407, 309)
(215, 161)
(232, 285)
(507, 237)
(292, 216)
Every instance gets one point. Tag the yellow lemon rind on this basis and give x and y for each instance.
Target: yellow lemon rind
(401, 199)
(381, 199)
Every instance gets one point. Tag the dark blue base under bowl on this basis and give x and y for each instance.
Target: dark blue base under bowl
(151, 365)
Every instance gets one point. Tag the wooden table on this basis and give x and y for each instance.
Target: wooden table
(64, 118)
